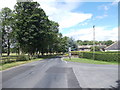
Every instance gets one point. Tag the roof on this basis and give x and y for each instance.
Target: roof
(89, 46)
(114, 46)
(85, 46)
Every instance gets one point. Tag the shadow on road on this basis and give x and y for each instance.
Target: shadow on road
(118, 82)
(118, 86)
(49, 56)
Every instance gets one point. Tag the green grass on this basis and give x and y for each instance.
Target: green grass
(13, 57)
(11, 54)
(13, 64)
(8, 62)
(90, 61)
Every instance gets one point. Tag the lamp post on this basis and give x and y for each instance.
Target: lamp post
(93, 41)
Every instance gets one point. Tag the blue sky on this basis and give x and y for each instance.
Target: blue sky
(104, 17)
(76, 18)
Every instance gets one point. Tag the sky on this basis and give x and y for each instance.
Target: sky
(77, 17)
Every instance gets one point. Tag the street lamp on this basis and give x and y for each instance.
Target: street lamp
(93, 41)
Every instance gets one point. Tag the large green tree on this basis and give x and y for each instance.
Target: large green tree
(72, 44)
(6, 17)
(34, 31)
(30, 23)
(28, 30)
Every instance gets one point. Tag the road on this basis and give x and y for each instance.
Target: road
(56, 73)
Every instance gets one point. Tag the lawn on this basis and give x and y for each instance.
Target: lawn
(83, 60)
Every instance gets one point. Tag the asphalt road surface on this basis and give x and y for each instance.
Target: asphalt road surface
(56, 73)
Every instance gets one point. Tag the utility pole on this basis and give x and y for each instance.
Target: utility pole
(93, 41)
(69, 53)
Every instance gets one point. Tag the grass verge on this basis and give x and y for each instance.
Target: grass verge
(90, 61)
(13, 64)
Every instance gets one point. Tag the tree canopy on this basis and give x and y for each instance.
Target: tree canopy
(6, 18)
(32, 31)
(87, 42)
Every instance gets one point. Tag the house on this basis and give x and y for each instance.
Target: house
(84, 48)
(113, 47)
(88, 47)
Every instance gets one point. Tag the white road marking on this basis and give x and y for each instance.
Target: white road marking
(63, 60)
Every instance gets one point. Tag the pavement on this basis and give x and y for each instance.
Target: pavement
(95, 76)
(56, 73)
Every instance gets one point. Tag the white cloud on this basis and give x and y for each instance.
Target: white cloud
(101, 17)
(7, 3)
(101, 33)
(72, 19)
(84, 23)
(61, 12)
(106, 8)
(115, 2)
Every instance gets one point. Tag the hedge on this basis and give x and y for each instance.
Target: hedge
(22, 58)
(112, 52)
(76, 52)
(111, 57)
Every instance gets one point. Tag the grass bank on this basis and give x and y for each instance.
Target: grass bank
(90, 61)
(13, 64)
(11, 61)
(8, 65)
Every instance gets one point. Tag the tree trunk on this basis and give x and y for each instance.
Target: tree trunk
(42, 53)
(20, 51)
(8, 51)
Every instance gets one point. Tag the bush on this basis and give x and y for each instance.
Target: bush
(76, 52)
(101, 56)
(66, 54)
(22, 58)
(112, 52)
(34, 57)
(81, 55)
(96, 48)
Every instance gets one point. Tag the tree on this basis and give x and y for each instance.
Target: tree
(109, 42)
(79, 42)
(96, 48)
(34, 31)
(30, 25)
(50, 36)
(6, 27)
(72, 44)
(65, 44)
(27, 29)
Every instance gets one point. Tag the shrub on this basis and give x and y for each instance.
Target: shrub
(106, 56)
(96, 48)
(76, 52)
(22, 58)
(101, 56)
(66, 54)
(87, 55)
(112, 52)
(81, 55)
(34, 57)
